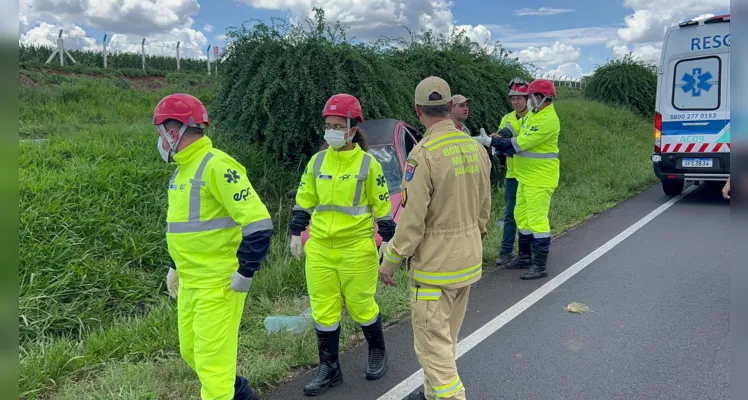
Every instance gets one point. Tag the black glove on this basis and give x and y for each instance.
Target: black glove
(506, 133)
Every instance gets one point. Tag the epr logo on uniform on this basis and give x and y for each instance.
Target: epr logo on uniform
(710, 42)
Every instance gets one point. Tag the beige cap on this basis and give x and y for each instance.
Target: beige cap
(433, 84)
(459, 99)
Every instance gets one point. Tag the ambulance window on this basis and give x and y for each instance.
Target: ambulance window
(696, 84)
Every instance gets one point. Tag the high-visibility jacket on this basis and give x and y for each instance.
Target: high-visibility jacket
(515, 125)
(342, 190)
(446, 205)
(536, 160)
(212, 207)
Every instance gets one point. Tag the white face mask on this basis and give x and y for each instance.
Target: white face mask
(335, 138)
(164, 153)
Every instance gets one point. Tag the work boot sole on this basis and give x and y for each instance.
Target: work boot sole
(372, 376)
(535, 276)
(316, 392)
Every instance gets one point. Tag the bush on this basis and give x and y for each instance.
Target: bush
(276, 78)
(626, 82)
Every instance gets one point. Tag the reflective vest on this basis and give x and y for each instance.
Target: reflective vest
(212, 205)
(512, 122)
(342, 190)
(536, 162)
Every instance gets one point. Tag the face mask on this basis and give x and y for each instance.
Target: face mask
(531, 102)
(335, 138)
(164, 153)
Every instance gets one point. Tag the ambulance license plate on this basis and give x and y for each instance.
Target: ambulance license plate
(697, 163)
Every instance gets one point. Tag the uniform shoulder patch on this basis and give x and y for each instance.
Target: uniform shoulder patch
(410, 169)
(404, 197)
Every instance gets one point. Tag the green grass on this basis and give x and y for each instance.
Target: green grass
(95, 320)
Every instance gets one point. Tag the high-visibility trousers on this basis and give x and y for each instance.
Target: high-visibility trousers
(208, 337)
(531, 213)
(437, 316)
(349, 271)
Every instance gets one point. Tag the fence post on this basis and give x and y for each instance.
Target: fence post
(104, 44)
(208, 53)
(61, 51)
(178, 55)
(142, 48)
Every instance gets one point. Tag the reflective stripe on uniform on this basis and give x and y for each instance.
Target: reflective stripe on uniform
(527, 154)
(525, 232)
(363, 172)
(352, 211)
(307, 210)
(257, 226)
(392, 257)
(385, 218)
(197, 182)
(323, 328)
(448, 389)
(425, 293)
(452, 138)
(447, 277)
(541, 235)
(318, 163)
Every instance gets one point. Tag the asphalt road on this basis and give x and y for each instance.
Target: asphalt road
(658, 326)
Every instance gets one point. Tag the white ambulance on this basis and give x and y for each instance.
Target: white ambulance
(692, 119)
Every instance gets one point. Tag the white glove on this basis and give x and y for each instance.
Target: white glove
(483, 138)
(240, 283)
(296, 249)
(172, 282)
(382, 249)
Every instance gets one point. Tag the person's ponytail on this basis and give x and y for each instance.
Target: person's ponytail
(361, 139)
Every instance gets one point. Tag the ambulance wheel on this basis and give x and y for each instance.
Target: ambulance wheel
(672, 187)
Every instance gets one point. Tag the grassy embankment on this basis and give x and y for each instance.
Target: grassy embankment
(95, 320)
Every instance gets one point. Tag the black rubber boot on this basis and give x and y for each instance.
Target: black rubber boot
(504, 259)
(328, 373)
(537, 270)
(417, 396)
(374, 335)
(242, 391)
(524, 259)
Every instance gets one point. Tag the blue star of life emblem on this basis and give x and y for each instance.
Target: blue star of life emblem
(696, 82)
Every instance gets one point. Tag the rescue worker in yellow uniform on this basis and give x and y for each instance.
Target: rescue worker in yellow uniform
(509, 127)
(218, 233)
(446, 204)
(342, 189)
(537, 168)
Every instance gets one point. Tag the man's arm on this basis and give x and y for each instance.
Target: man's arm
(229, 183)
(306, 200)
(535, 133)
(416, 199)
(378, 194)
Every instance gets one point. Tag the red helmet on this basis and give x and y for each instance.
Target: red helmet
(518, 87)
(182, 107)
(542, 86)
(343, 105)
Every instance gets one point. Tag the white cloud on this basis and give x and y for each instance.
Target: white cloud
(516, 39)
(162, 22)
(479, 33)
(651, 18)
(559, 53)
(141, 17)
(222, 37)
(371, 19)
(208, 28)
(569, 70)
(543, 11)
(645, 52)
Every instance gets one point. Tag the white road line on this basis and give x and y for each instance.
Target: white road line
(414, 381)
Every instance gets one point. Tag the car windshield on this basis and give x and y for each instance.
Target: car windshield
(387, 156)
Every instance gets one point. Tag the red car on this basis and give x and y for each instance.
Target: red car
(390, 142)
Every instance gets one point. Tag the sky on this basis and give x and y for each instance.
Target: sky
(565, 37)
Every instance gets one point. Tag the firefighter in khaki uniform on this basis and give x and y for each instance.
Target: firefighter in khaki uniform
(536, 166)
(218, 233)
(446, 200)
